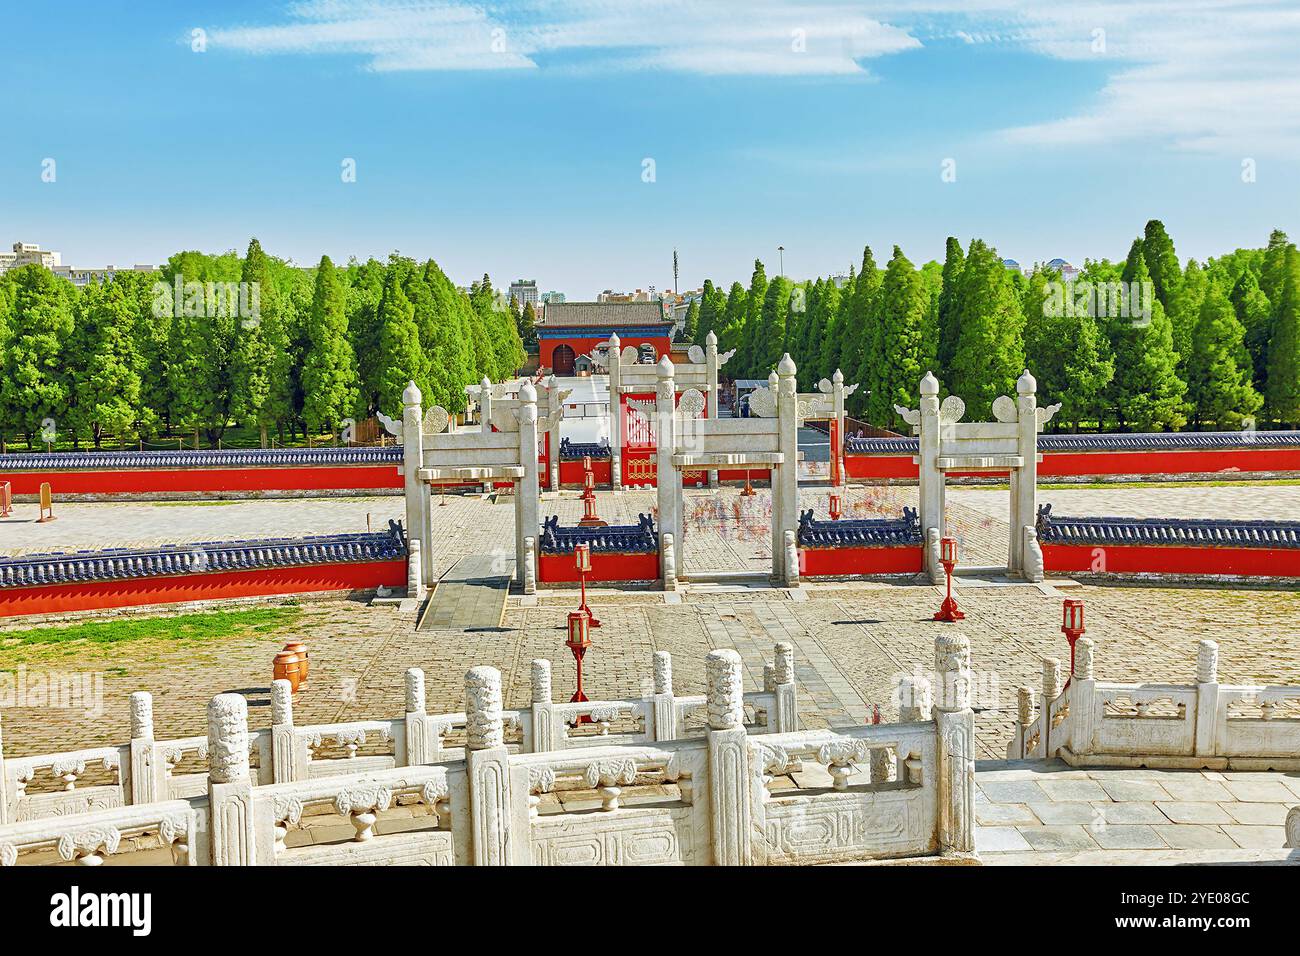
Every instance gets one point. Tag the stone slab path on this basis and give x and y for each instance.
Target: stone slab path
(1038, 812)
(469, 597)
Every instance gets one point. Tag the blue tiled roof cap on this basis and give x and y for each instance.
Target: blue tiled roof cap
(1176, 532)
(612, 539)
(207, 557)
(860, 532)
(575, 450)
(225, 458)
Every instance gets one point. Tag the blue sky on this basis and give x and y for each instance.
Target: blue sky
(511, 137)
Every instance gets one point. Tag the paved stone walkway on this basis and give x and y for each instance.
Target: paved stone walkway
(1039, 812)
(469, 597)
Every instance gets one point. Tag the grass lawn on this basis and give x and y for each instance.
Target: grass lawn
(21, 645)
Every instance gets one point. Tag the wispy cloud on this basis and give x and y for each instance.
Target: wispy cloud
(715, 37)
(1211, 75)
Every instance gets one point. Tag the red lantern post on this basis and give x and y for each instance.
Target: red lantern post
(748, 490)
(578, 642)
(835, 508)
(589, 517)
(948, 611)
(1072, 626)
(582, 561)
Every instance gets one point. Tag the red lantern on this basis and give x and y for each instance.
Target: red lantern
(835, 508)
(948, 610)
(1072, 625)
(582, 558)
(578, 642)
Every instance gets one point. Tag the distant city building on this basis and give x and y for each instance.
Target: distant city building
(524, 291)
(1011, 264)
(1066, 270)
(29, 253)
(556, 297)
(26, 254)
(841, 279)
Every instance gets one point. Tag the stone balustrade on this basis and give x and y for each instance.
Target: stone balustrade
(1206, 725)
(891, 791)
(147, 769)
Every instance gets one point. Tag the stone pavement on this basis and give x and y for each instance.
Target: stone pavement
(1039, 812)
(469, 597)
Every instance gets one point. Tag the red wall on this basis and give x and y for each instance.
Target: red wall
(83, 596)
(1079, 464)
(583, 345)
(559, 568)
(145, 481)
(1157, 559)
(571, 472)
(828, 561)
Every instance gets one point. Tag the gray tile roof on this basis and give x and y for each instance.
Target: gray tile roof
(860, 532)
(588, 314)
(31, 570)
(1186, 532)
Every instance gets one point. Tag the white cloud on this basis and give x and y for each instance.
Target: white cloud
(1213, 75)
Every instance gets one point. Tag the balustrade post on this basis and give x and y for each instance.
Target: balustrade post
(786, 718)
(1083, 717)
(148, 782)
(1024, 480)
(527, 505)
(1207, 698)
(931, 478)
(416, 738)
(493, 813)
(414, 574)
(613, 359)
(785, 476)
(4, 780)
(1053, 687)
(955, 728)
(543, 710)
(665, 709)
(668, 479)
(288, 757)
(734, 791)
(418, 517)
(714, 400)
(230, 786)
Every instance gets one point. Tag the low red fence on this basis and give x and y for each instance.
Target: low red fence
(825, 562)
(1160, 559)
(605, 566)
(95, 595)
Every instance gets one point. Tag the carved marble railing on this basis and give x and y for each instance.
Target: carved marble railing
(875, 792)
(1204, 725)
(148, 769)
(87, 838)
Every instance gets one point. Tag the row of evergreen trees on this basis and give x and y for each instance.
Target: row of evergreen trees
(1222, 345)
(304, 352)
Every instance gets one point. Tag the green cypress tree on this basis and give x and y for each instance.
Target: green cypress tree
(1191, 295)
(829, 308)
(1162, 264)
(953, 261)
(901, 309)
(107, 391)
(1272, 275)
(329, 374)
(859, 335)
(1254, 312)
(1068, 354)
(262, 394)
(528, 326)
(692, 328)
(990, 350)
(450, 344)
(769, 341)
(750, 355)
(733, 324)
(401, 359)
(1219, 369)
(365, 287)
(1284, 347)
(1146, 391)
(34, 385)
(713, 308)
